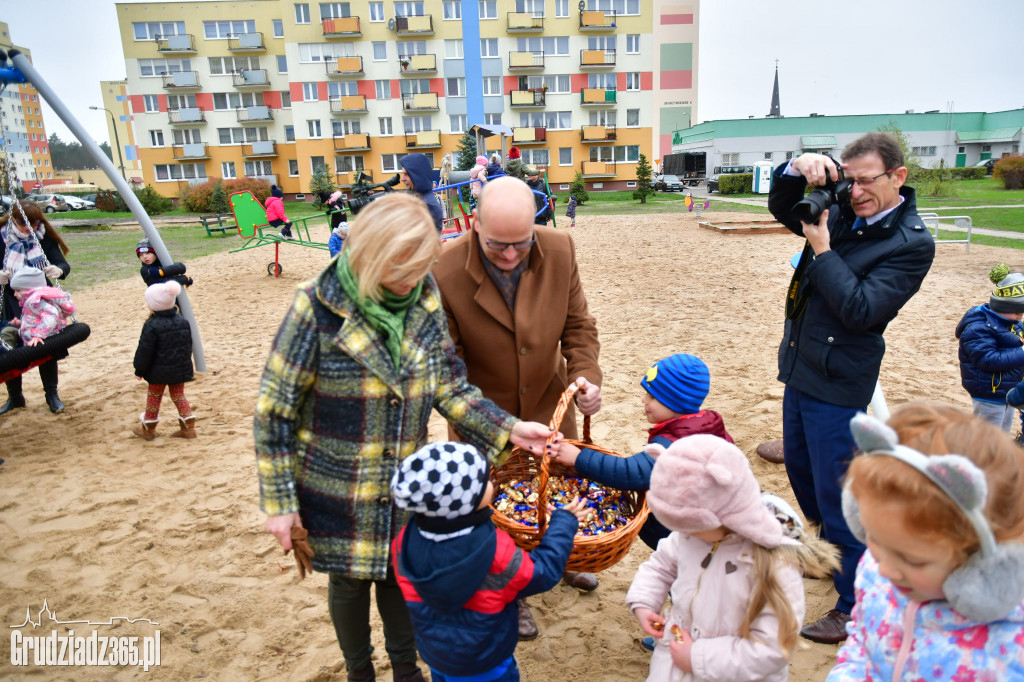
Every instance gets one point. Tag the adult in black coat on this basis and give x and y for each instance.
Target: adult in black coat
(27, 238)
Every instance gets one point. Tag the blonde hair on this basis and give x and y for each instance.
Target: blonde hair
(35, 216)
(393, 236)
(769, 594)
(935, 429)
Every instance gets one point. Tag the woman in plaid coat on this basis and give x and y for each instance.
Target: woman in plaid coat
(360, 361)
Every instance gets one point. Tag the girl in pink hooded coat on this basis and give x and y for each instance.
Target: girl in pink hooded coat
(730, 566)
(45, 310)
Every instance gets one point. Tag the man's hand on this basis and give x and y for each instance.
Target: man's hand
(817, 234)
(588, 397)
(816, 168)
(533, 436)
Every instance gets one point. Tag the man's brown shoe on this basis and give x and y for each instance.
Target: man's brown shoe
(581, 581)
(527, 626)
(829, 629)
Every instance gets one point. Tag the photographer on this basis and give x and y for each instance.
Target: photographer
(416, 178)
(866, 254)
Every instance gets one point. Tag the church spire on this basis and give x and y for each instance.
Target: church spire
(775, 112)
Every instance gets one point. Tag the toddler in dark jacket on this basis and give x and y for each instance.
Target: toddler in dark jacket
(459, 574)
(164, 359)
(675, 390)
(152, 272)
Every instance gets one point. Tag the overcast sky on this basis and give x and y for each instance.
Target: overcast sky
(854, 57)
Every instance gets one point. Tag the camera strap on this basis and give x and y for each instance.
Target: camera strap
(796, 299)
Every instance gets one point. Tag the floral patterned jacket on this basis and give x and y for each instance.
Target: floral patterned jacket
(943, 644)
(44, 312)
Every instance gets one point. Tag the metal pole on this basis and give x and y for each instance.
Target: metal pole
(117, 140)
(23, 65)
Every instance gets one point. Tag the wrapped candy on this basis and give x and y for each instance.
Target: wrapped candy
(518, 499)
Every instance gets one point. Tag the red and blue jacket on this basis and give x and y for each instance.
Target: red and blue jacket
(461, 591)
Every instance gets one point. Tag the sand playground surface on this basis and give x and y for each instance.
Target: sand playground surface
(99, 524)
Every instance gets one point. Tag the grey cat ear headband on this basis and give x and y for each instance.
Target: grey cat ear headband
(990, 584)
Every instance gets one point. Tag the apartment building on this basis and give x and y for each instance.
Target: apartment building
(276, 89)
(23, 139)
(116, 108)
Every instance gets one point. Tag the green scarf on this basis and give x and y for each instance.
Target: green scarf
(387, 317)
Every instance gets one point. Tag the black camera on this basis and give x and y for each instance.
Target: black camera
(810, 208)
(363, 192)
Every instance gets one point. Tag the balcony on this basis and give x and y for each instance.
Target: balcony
(187, 116)
(596, 97)
(349, 104)
(423, 139)
(597, 169)
(414, 26)
(420, 101)
(417, 64)
(597, 21)
(179, 44)
(597, 59)
(259, 112)
(251, 78)
(527, 98)
(521, 61)
(190, 152)
(597, 134)
(181, 80)
(353, 142)
(529, 135)
(342, 27)
(272, 179)
(345, 66)
(259, 148)
(523, 22)
(246, 42)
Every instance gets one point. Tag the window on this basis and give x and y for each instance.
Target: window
(316, 163)
(632, 117)
(222, 66)
(604, 81)
(492, 119)
(313, 128)
(385, 126)
(309, 93)
(535, 157)
(278, 28)
(282, 63)
(334, 10)
(301, 13)
(175, 102)
(986, 149)
(492, 85)
(556, 46)
(451, 9)
(258, 167)
(227, 170)
(289, 133)
(224, 101)
(222, 30)
(240, 135)
(556, 85)
(620, 7)
(415, 124)
(180, 171)
(768, 156)
(186, 136)
(552, 120)
(314, 53)
(601, 43)
(961, 150)
(154, 68)
(389, 163)
(151, 103)
(633, 80)
(488, 9)
(456, 87)
(632, 43)
(565, 156)
(293, 167)
(376, 11)
(348, 164)
(343, 89)
(923, 151)
(533, 7)
(346, 126)
(156, 138)
(155, 30)
(459, 122)
(286, 99)
(383, 89)
(409, 9)
(489, 47)
(453, 49)
(561, 8)
(411, 47)
(380, 51)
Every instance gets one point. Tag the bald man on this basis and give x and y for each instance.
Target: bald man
(519, 318)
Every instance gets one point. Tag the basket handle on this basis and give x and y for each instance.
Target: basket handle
(556, 421)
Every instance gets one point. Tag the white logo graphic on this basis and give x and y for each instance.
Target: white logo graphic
(89, 650)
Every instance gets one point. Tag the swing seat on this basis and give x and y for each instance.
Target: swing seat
(16, 362)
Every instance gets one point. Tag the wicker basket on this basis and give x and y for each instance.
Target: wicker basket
(590, 553)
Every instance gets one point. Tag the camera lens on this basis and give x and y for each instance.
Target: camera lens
(810, 208)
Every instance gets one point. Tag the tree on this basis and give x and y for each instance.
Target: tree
(643, 180)
(105, 148)
(320, 182)
(69, 156)
(910, 159)
(578, 189)
(465, 153)
(219, 199)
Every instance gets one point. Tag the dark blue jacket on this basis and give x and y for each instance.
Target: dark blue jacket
(833, 350)
(417, 166)
(991, 356)
(156, 273)
(461, 592)
(164, 355)
(494, 170)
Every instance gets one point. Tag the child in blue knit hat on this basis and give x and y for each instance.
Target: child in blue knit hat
(675, 389)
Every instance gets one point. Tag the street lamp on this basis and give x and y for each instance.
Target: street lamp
(117, 140)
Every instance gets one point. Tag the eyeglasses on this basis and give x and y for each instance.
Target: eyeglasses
(867, 182)
(518, 246)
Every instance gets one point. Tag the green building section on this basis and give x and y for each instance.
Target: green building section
(676, 57)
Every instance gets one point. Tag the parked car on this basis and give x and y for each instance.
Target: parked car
(668, 183)
(988, 164)
(50, 203)
(726, 170)
(73, 202)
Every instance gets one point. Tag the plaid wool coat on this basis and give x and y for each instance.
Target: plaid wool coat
(334, 418)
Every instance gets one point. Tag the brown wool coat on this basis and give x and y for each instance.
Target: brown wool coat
(522, 361)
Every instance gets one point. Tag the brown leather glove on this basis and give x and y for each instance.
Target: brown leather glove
(303, 553)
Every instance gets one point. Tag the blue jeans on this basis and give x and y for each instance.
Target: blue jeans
(999, 414)
(506, 671)
(818, 447)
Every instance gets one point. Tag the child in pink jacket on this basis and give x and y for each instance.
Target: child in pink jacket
(275, 212)
(44, 309)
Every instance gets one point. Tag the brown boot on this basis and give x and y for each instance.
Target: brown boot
(146, 430)
(186, 428)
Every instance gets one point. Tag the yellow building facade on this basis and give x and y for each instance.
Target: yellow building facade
(25, 144)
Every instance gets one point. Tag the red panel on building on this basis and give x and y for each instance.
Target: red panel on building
(137, 104)
(204, 100)
(295, 88)
(578, 81)
(676, 80)
(647, 80)
(367, 89)
(161, 102)
(272, 98)
(321, 91)
(668, 19)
